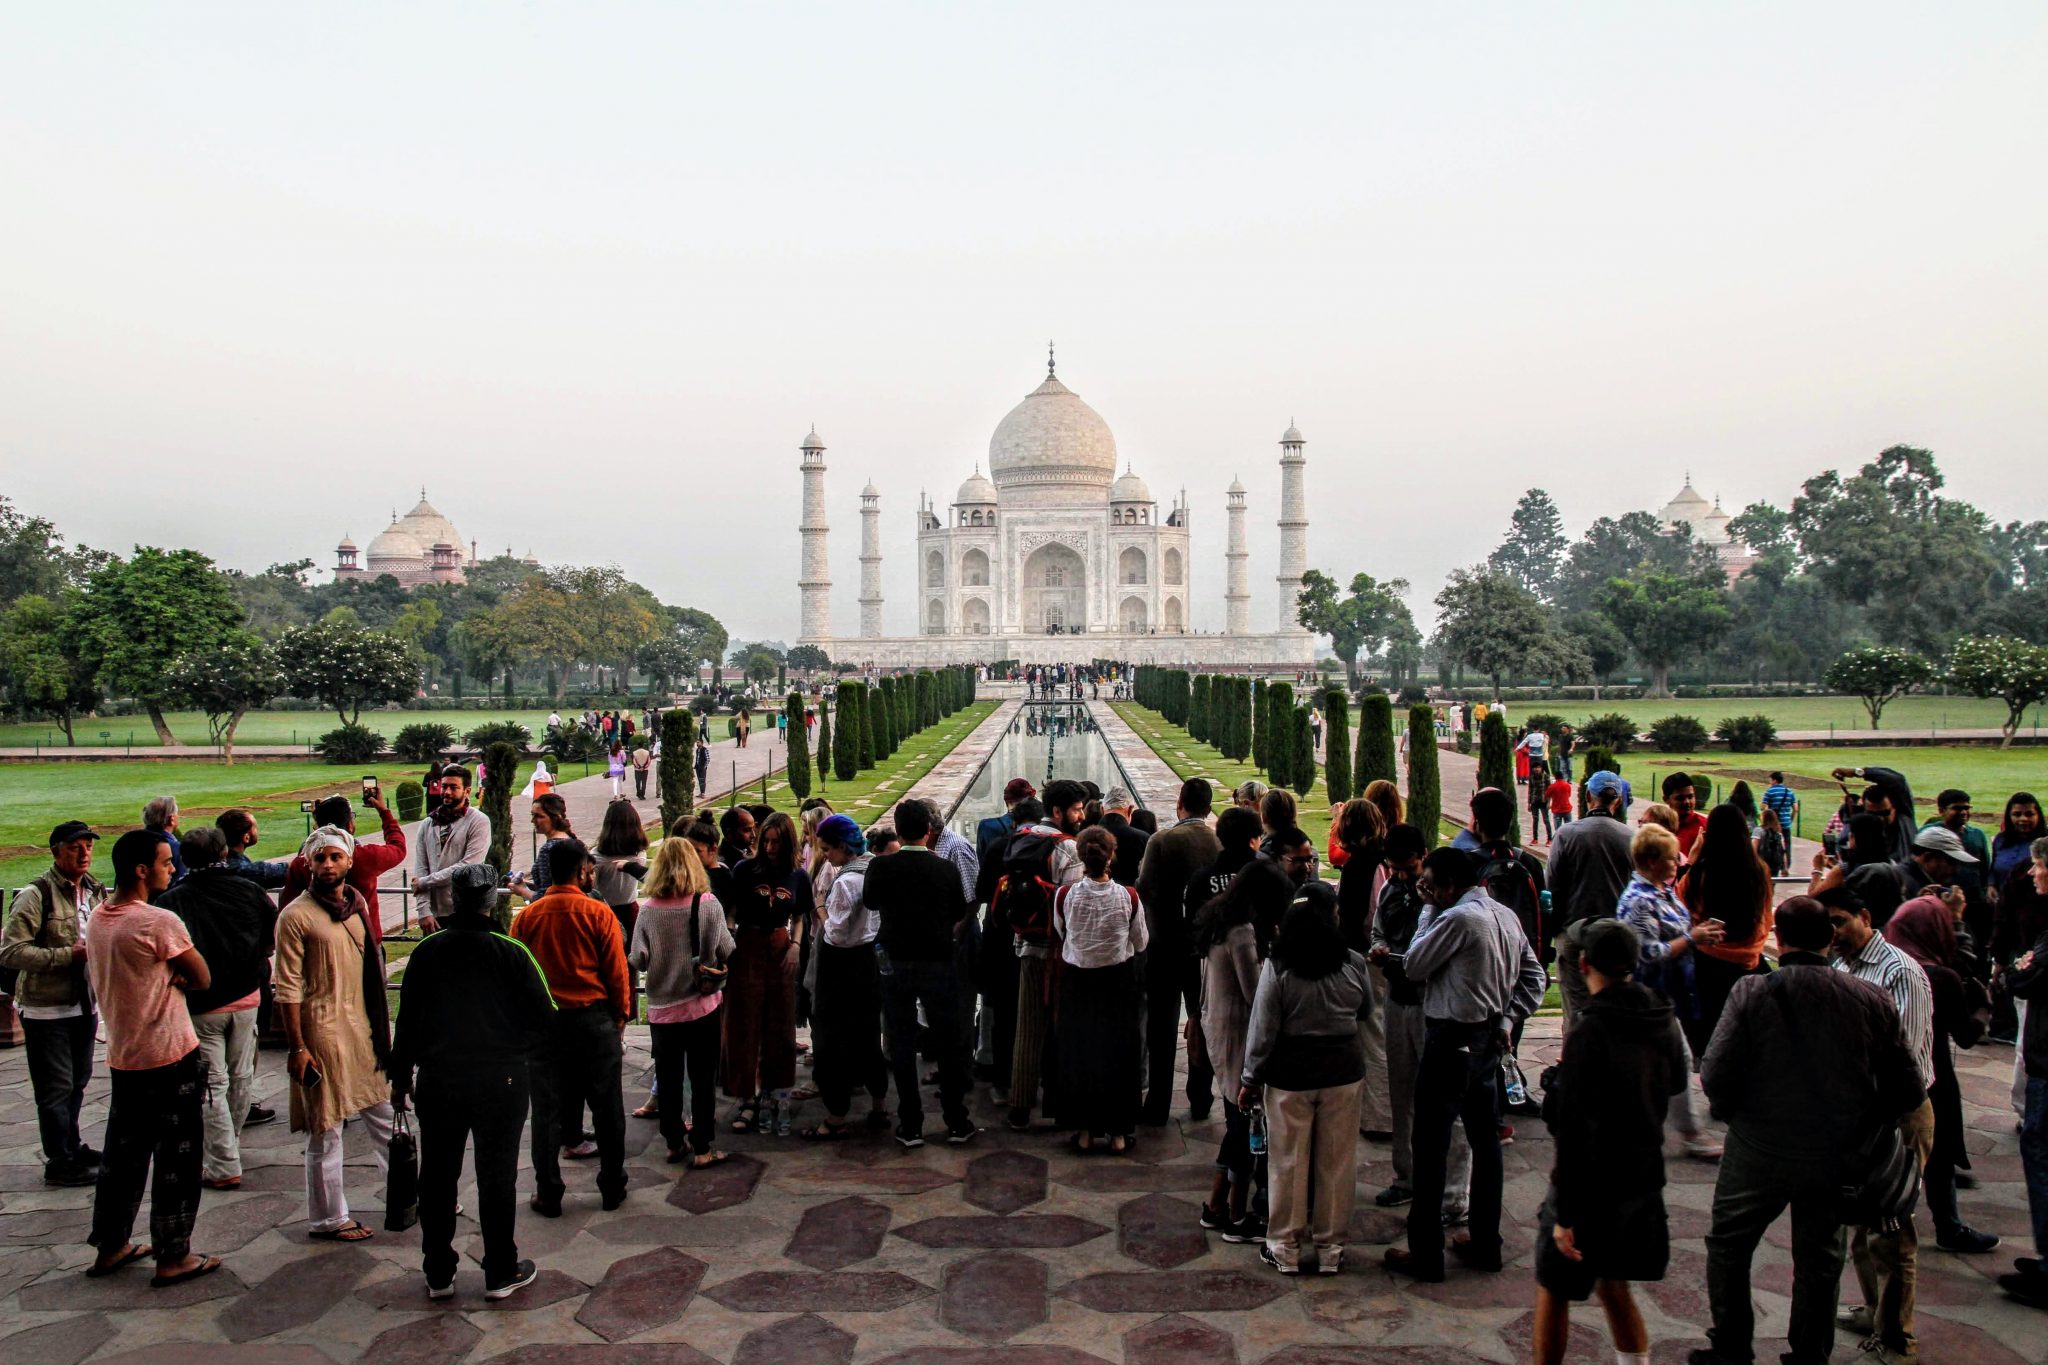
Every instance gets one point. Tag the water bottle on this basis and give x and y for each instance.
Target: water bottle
(1258, 1130)
(782, 1113)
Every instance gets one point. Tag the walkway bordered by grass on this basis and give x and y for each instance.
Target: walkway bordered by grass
(871, 793)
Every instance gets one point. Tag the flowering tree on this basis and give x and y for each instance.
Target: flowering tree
(226, 680)
(347, 666)
(1877, 675)
(2001, 666)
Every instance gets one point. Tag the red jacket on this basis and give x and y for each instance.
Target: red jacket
(372, 861)
(576, 941)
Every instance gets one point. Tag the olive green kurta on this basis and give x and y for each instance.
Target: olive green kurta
(320, 969)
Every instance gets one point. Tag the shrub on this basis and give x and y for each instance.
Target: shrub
(1549, 722)
(412, 800)
(349, 744)
(482, 737)
(1375, 756)
(571, 743)
(1747, 734)
(423, 741)
(1678, 735)
(1611, 731)
(1412, 695)
(1464, 741)
(1425, 781)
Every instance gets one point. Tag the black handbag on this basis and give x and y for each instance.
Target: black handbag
(402, 1191)
(1880, 1179)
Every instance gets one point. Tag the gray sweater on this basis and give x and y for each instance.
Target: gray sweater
(661, 946)
(1304, 1031)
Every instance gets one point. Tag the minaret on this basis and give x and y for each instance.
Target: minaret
(1293, 529)
(1237, 581)
(815, 583)
(870, 562)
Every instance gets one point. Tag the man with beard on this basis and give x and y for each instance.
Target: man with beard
(473, 1010)
(455, 835)
(330, 992)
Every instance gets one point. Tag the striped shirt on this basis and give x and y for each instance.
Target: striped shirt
(1900, 977)
(960, 853)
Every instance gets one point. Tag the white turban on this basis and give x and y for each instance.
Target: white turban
(328, 836)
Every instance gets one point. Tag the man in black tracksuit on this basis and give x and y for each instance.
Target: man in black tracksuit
(472, 1010)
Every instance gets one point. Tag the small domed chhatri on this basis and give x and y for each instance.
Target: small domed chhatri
(418, 548)
(1052, 543)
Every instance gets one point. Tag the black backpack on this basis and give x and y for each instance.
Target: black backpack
(1023, 896)
(1506, 879)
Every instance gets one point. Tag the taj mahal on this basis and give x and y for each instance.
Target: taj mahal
(1053, 556)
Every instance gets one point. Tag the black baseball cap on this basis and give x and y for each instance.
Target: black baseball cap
(69, 830)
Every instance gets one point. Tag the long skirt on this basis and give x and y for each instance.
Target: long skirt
(844, 1033)
(760, 1015)
(1100, 1049)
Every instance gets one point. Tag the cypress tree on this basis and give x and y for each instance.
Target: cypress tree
(1337, 745)
(1425, 780)
(846, 743)
(825, 753)
(1280, 748)
(1375, 758)
(1256, 723)
(677, 780)
(1496, 754)
(1198, 708)
(798, 769)
(869, 704)
(906, 722)
(885, 719)
(501, 773)
(1240, 719)
(1301, 766)
(927, 699)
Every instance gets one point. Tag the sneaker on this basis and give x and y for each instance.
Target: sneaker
(69, 1175)
(523, 1274)
(961, 1132)
(258, 1116)
(1266, 1255)
(1965, 1240)
(908, 1140)
(1856, 1321)
(1250, 1228)
(441, 1291)
(1875, 1351)
(1214, 1220)
(581, 1151)
(1394, 1196)
(1702, 1148)
(1329, 1260)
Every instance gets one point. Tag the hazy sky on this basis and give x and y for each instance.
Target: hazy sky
(589, 272)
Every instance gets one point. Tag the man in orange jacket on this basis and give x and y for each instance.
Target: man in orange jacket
(575, 939)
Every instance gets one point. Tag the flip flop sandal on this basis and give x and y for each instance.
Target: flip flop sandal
(647, 1111)
(126, 1258)
(351, 1231)
(709, 1159)
(207, 1265)
(747, 1119)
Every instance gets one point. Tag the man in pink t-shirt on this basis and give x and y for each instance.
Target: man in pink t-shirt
(141, 962)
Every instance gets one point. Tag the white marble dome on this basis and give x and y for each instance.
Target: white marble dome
(976, 491)
(1051, 447)
(426, 525)
(396, 544)
(1130, 488)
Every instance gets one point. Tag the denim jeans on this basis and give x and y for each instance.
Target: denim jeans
(936, 986)
(2034, 1159)
(1751, 1191)
(59, 1067)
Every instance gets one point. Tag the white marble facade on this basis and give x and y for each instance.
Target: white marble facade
(1052, 555)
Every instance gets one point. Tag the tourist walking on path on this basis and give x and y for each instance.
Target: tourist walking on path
(1887, 1261)
(1172, 973)
(1100, 928)
(141, 963)
(615, 769)
(1784, 801)
(330, 994)
(44, 942)
(1589, 866)
(1602, 1223)
(575, 939)
(702, 760)
(1726, 884)
(847, 999)
(917, 897)
(1924, 929)
(453, 835)
(643, 764)
(371, 861)
(1394, 922)
(473, 1014)
(1805, 1064)
(680, 940)
(1668, 940)
(1479, 978)
(1302, 1058)
(1242, 900)
(771, 893)
(231, 922)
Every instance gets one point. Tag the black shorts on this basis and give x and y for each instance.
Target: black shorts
(1627, 1240)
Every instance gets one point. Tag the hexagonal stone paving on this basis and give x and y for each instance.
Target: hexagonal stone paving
(717, 1187)
(641, 1292)
(836, 1235)
(833, 1291)
(1161, 1231)
(1177, 1340)
(805, 1340)
(1175, 1291)
(1004, 1182)
(994, 1296)
(1020, 1231)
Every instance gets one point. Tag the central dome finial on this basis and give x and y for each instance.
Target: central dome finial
(1048, 360)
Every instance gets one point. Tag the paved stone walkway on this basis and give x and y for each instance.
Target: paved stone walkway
(1011, 1251)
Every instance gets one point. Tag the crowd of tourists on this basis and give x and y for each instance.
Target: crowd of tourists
(1070, 956)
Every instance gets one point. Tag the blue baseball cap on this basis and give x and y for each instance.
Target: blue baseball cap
(1603, 782)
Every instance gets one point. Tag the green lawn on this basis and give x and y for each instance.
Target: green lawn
(36, 797)
(871, 793)
(1791, 713)
(1989, 775)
